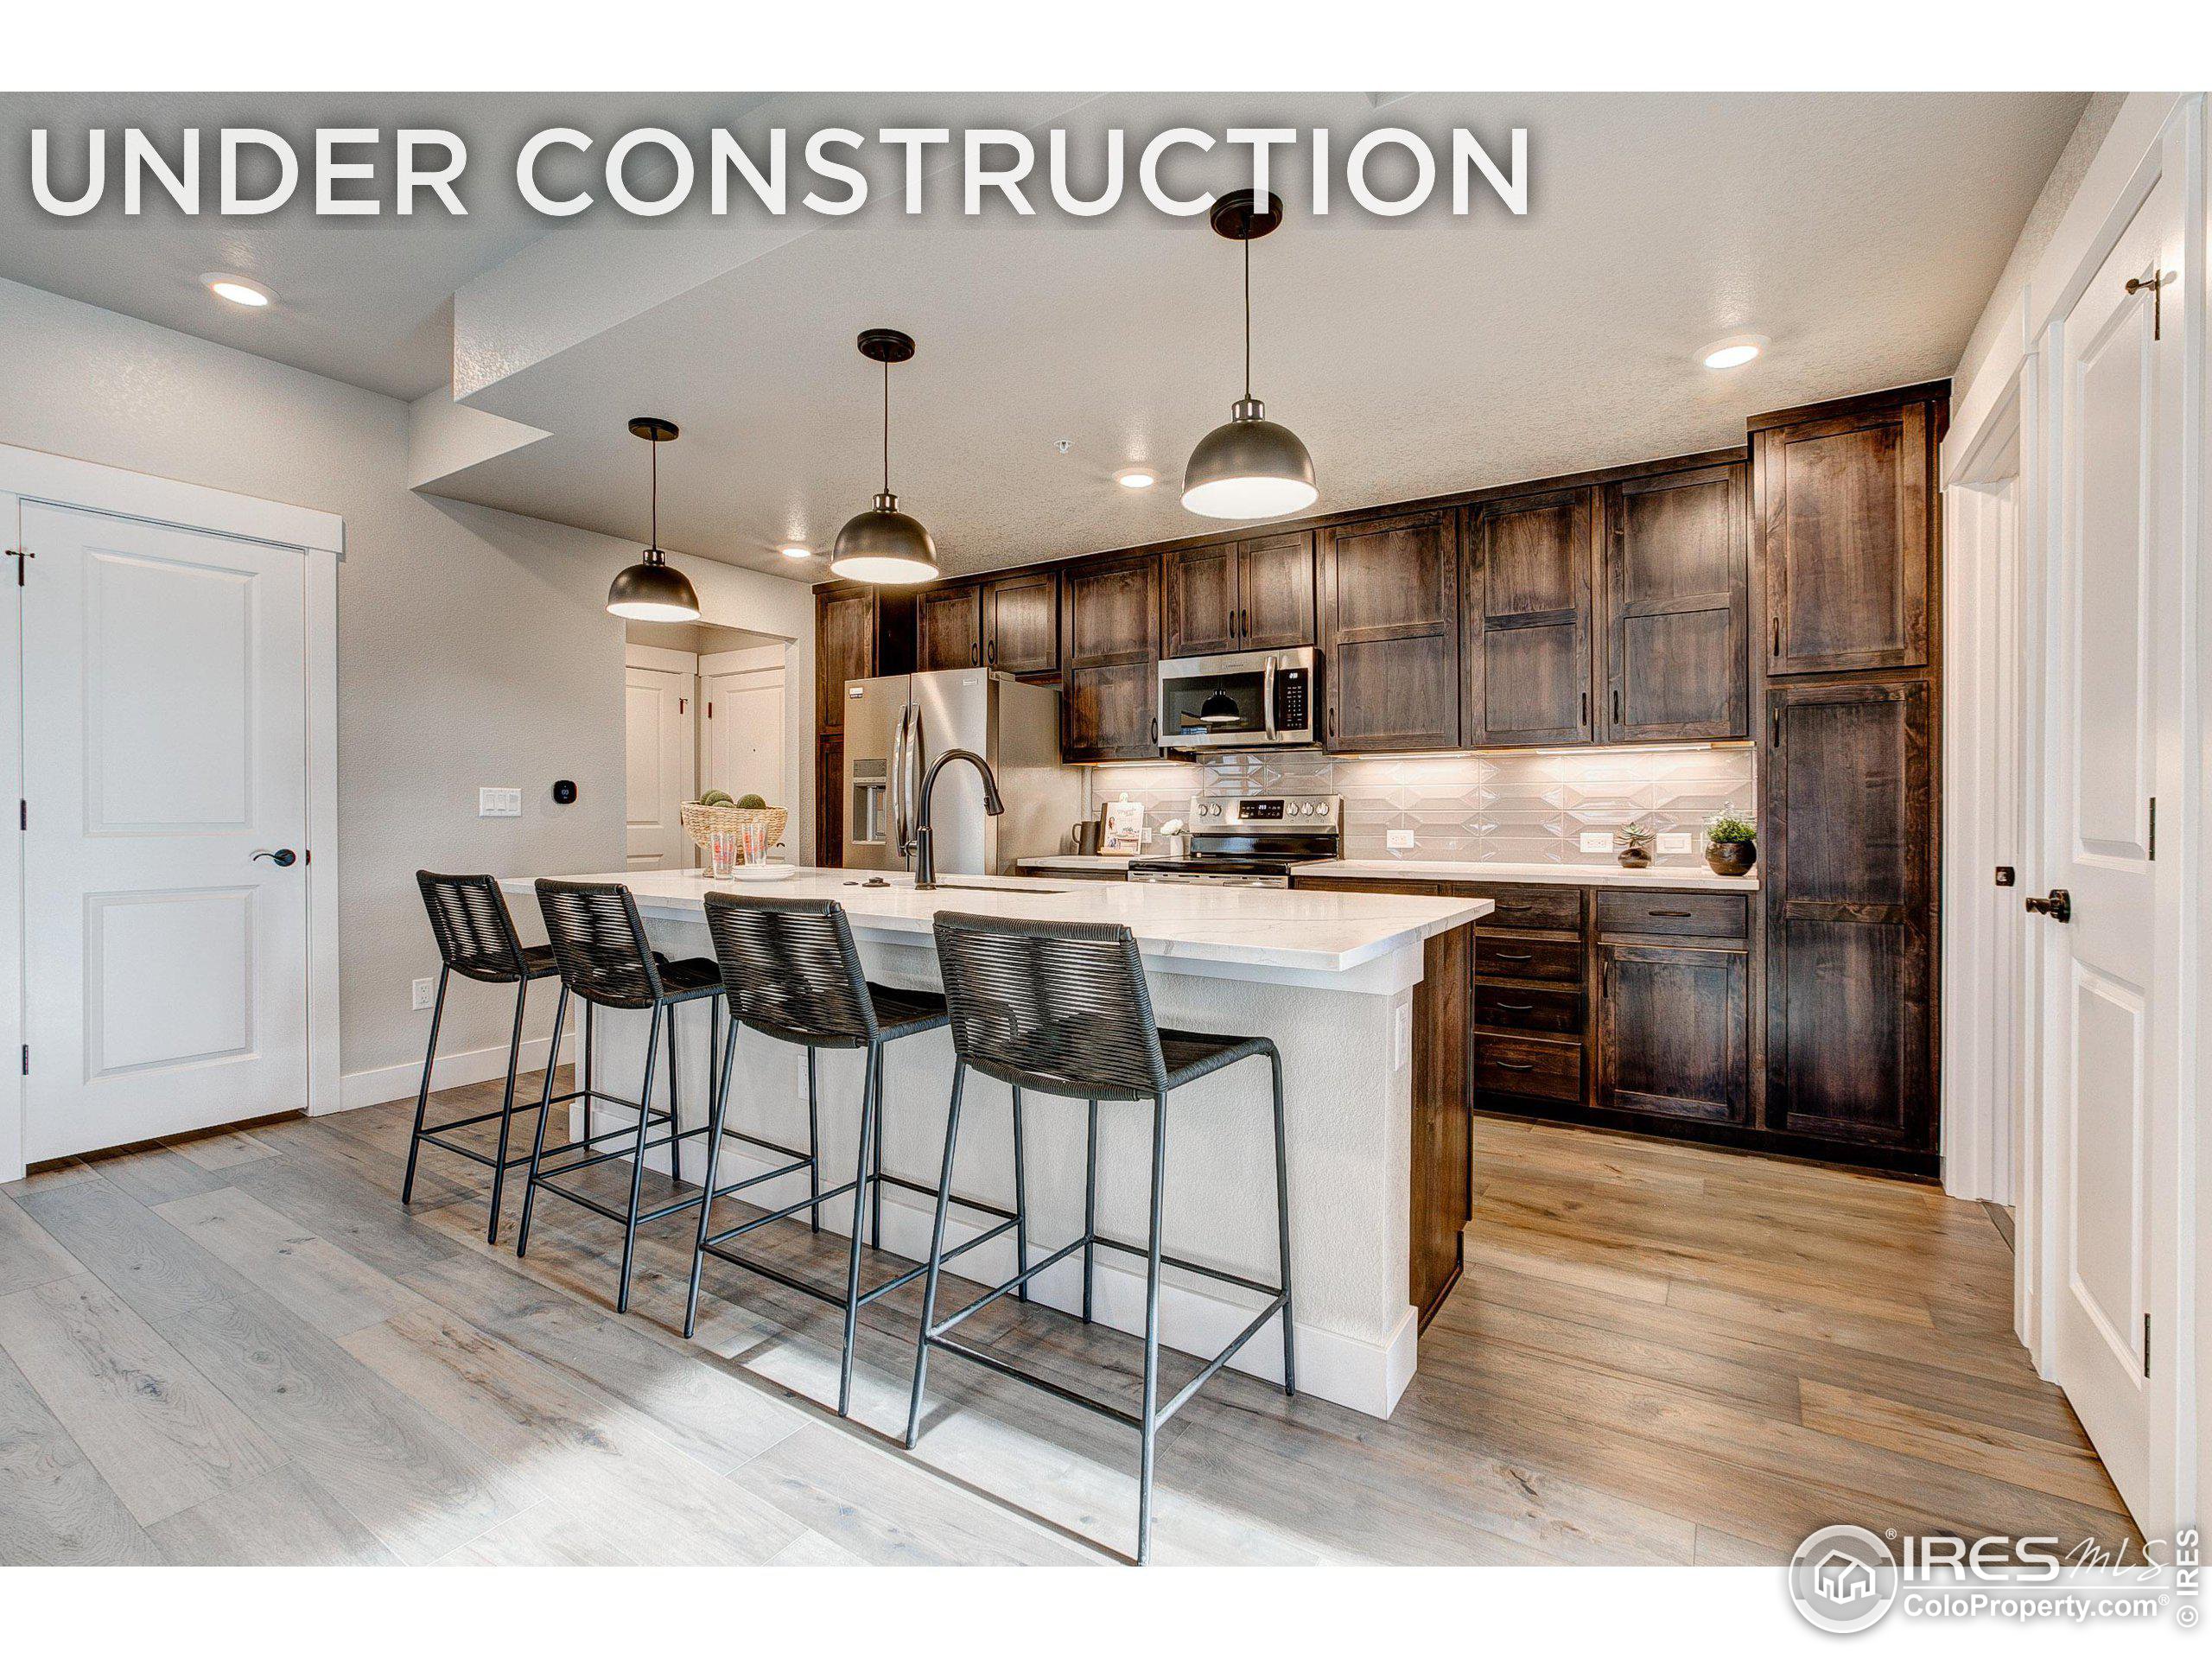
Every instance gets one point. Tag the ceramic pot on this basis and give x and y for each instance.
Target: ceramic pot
(1636, 858)
(1731, 857)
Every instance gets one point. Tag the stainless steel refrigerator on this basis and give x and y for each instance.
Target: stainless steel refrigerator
(896, 728)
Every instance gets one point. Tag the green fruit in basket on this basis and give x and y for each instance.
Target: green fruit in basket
(753, 802)
(714, 797)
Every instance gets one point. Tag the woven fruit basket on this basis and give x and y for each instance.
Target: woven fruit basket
(700, 822)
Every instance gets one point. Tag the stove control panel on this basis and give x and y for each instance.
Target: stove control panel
(1265, 813)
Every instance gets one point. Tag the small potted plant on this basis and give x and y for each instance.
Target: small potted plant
(1730, 845)
(1635, 846)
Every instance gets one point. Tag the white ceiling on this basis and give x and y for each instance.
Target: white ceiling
(1860, 233)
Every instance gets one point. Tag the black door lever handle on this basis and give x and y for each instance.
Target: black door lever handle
(2059, 907)
(283, 857)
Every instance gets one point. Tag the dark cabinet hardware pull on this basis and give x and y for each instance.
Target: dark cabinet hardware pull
(1513, 1065)
(1507, 956)
(1516, 1007)
(1776, 652)
(1671, 912)
(1585, 708)
(1616, 705)
(2059, 907)
(1774, 728)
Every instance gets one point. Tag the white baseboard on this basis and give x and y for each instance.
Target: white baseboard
(385, 1083)
(1195, 1317)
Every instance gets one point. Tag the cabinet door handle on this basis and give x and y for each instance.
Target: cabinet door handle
(1684, 913)
(1513, 1065)
(1775, 650)
(1585, 711)
(1774, 728)
(1507, 955)
(1616, 705)
(1516, 1008)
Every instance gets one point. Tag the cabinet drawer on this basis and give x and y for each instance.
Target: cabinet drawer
(1522, 1009)
(1674, 915)
(1508, 1065)
(1507, 955)
(1543, 909)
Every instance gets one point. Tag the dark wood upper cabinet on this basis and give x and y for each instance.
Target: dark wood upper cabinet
(1847, 837)
(948, 628)
(1845, 523)
(1390, 632)
(829, 801)
(1672, 1026)
(1255, 595)
(1531, 561)
(1674, 589)
(1110, 634)
(1021, 623)
(1200, 587)
(844, 649)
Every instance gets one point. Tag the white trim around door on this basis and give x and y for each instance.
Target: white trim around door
(31, 477)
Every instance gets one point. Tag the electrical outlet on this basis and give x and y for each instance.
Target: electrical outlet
(422, 995)
(1400, 841)
(499, 803)
(1597, 841)
(1675, 840)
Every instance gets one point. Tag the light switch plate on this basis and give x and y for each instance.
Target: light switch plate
(1597, 841)
(1400, 841)
(499, 803)
(1675, 840)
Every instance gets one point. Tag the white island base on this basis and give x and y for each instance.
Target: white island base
(1334, 985)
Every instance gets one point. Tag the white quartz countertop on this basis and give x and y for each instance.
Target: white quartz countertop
(1263, 928)
(1094, 862)
(1659, 877)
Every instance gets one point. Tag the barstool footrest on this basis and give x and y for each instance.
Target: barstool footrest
(620, 1152)
(1014, 1283)
(431, 1137)
(834, 1297)
(1222, 1274)
(609, 1212)
(991, 1361)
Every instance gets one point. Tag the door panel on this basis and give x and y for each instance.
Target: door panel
(1672, 1028)
(1022, 624)
(1201, 589)
(1530, 570)
(659, 760)
(844, 649)
(165, 743)
(950, 629)
(1274, 592)
(2115, 716)
(1109, 633)
(1389, 633)
(1676, 596)
(744, 731)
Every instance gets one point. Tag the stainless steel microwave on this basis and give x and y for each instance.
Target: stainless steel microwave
(1241, 700)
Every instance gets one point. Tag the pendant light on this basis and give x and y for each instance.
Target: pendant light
(1218, 709)
(1252, 467)
(653, 590)
(884, 544)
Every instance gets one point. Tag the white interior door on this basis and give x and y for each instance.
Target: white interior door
(743, 691)
(164, 753)
(2110, 1024)
(658, 753)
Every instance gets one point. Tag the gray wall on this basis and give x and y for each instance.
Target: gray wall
(474, 646)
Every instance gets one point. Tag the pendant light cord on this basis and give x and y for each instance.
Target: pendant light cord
(656, 539)
(1247, 317)
(887, 426)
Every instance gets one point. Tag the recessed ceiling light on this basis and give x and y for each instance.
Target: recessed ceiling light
(797, 552)
(1733, 353)
(237, 289)
(1137, 478)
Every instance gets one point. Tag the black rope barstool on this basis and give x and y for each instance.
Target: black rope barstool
(793, 974)
(1062, 1007)
(476, 939)
(599, 945)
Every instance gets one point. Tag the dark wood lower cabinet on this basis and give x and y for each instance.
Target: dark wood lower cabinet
(830, 801)
(1443, 1162)
(1672, 1026)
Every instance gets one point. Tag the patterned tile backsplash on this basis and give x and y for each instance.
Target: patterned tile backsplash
(1507, 808)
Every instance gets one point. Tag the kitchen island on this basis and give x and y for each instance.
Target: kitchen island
(1360, 992)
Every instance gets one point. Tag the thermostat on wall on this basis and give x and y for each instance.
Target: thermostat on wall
(564, 792)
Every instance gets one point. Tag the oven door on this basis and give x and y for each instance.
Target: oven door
(1191, 879)
(1241, 700)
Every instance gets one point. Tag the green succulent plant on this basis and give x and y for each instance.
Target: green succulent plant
(1725, 828)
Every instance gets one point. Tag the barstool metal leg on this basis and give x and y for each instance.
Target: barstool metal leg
(716, 1113)
(871, 1106)
(875, 1167)
(1021, 1204)
(1283, 1228)
(1150, 1428)
(423, 1094)
(1089, 1206)
(638, 1161)
(544, 1111)
(508, 1111)
(813, 1150)
(587, 1073)
(936, 1255)
(675, 1107)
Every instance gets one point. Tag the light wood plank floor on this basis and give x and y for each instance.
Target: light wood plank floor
(239, 1349)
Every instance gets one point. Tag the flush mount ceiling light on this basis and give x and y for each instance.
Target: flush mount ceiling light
(1733, 352)
(1137, 478)
(884, 544)
(238, 290)
(796, 552)
(1252, 467)
(653, 590)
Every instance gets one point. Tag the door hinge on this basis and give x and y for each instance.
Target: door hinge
(2147, 1344)
(710, 711)
(25, 807)
(2154, 854)
(27, 1059)
(22, 563)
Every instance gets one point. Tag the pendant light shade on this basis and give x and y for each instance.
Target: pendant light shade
(653, 590)
(1252, 467)
(883, 544)
(1218, 709)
